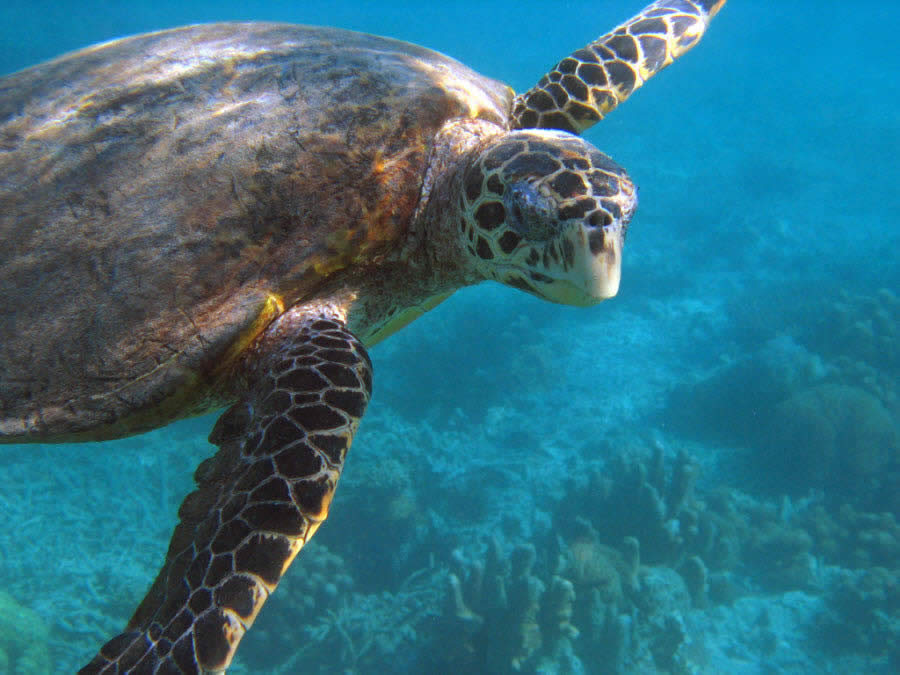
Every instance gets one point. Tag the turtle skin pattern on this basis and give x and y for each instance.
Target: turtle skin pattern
(258, 501)
(582, 88)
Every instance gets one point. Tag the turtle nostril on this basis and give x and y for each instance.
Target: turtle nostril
(596, 240)
(599, 219)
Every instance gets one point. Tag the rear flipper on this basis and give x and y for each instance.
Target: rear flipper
(258, 501)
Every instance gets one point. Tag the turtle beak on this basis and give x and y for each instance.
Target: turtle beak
(603, 270)
(601, 262)
(595, 271)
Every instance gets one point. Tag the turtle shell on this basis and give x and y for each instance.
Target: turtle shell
(163, 196)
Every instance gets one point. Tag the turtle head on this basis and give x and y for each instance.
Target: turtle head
(546, 212)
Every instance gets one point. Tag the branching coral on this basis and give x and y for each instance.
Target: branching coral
(634, 497)
(508, 616)
(573, 605)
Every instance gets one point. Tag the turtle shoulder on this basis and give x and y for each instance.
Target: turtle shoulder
(163, 196)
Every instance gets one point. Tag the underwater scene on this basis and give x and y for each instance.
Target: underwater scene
(700, 475)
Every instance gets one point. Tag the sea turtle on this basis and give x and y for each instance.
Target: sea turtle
(230, 214)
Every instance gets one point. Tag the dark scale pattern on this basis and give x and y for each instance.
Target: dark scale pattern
(473, 183)
(625, 47)
(575, 87)
(257, 502)
(490, 215)
(498, 156)
(568, 184)
(654, 49)
(483, 250)
(567, 66)
(509, 241)
(582, 88)
(495, 185)
(649, 27)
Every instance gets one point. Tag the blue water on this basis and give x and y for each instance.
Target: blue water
(735, 409)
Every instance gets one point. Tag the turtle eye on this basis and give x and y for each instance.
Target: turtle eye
(528, 212)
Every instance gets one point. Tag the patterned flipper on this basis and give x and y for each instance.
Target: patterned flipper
(582, 88)
(259, 499)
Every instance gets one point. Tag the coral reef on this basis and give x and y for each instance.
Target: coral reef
(810, 419)
(863, 614)
(832, 433)
(586, 597)
(377, 489)
(505, 616)
(313, 589)
(735, 402)
(635, 568)
(632, 496)
(861, 328)
(637, 550)
(852, 538)
(320, 617)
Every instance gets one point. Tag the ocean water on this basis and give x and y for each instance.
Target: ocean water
(701, 475)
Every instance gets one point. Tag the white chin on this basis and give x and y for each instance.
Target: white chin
(566, 292)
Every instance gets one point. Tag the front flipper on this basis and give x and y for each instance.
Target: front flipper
(585, 86)
(259, 499)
